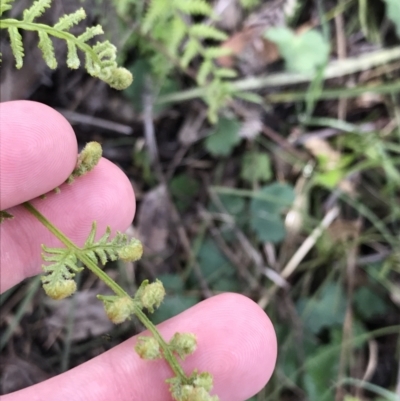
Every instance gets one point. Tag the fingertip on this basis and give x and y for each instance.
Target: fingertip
(246, 361)
(38, 151)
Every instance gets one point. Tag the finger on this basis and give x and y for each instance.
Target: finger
(104, 195)
(38, 151)
(236, 344)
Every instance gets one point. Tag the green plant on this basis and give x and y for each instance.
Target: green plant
(62, 263)
(192, 47)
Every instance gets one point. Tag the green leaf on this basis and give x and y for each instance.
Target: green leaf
(72, 56)
(325, 310)
(5, 5)
(268, 227)
(204, 71)
(215, 266)
(193, 7)
(46, 46)
(369, 303)
(36, 10)
(215, 52)
(302, 53)
(265, 208)
(256, 166)
(191, 49)
(225, 73)
(16, 45)
(393, 13)
(66, 22)
(320, 368)
(207, 32)
(90, 32)
(233, 204)
(224, 137)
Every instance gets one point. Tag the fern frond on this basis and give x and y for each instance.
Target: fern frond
(46, 46)
(194, 7)
(191, 50)
(5, 5)
(58, 279)
(66, 22)
(207, 32)
(90, 33)
(36, 10)
(105, 249)
(17, 46)
(100, 59)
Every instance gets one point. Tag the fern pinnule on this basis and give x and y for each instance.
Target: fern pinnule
(204, 71)
(105, 249)
(203, 31)
(90, 32)
(36, 10)
(216, 52)
(58, 281)
(73, 61)
(5, 5)
(46, 46)
(194, 7)
(16, 45)
(191, 50)
(177, 34)
(66, 22)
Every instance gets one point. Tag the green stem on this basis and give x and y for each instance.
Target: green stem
(168, 355)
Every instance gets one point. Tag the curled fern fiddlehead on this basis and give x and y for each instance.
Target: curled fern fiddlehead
(100, 58)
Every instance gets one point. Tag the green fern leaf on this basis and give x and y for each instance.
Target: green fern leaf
(46, 46)
(72, 56)
(177, 33)
(64, 259)
(58, 279)
(90, 33)
(215, 52)
(16, 46)
(225, 73)
(194, 7)
(192, 48)
(204, 70)
(158, 9)
(207, 32)
(105, 249)
(5, 5)
(66, 22)
(36, 10)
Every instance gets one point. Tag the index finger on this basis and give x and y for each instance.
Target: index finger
(38, 151)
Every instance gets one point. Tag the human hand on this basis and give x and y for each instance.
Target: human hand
(236, 340)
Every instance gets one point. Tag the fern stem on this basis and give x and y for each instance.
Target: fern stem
(80, 253)
(34, 26)
(169, 357)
